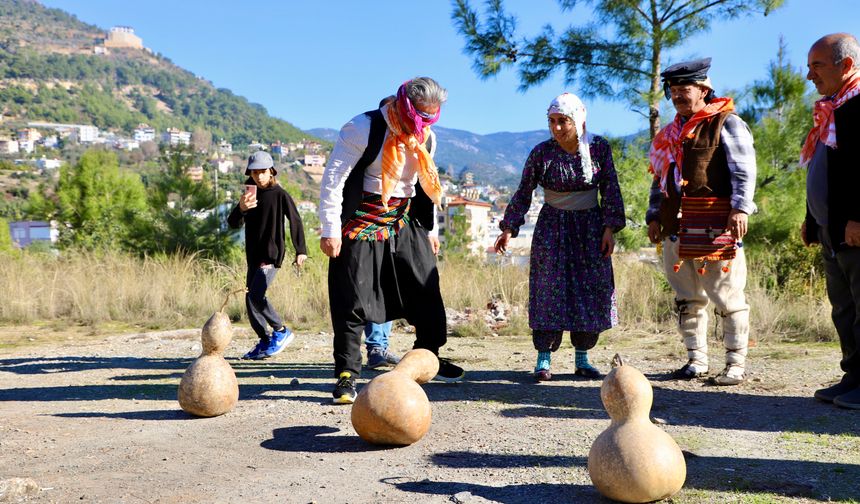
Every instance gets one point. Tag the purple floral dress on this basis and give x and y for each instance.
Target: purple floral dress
(571, 287)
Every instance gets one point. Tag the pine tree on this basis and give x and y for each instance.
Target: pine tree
(617, 56)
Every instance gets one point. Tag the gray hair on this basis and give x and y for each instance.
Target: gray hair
(846, 46)
(425, 91)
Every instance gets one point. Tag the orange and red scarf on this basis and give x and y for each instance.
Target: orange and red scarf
(824, 124)
(400, 143)
(668, 147)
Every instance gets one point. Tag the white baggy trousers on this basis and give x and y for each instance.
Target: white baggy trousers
(724, 289)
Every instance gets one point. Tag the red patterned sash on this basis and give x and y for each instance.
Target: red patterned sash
(703, 235)
(373, 221)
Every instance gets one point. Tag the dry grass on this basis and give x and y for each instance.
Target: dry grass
(180, 291)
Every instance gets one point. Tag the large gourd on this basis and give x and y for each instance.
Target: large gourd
(393, 409)
(633, 460)
(209, 386)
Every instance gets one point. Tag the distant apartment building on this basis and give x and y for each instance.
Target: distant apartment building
(222, 165)
(29, 134)
(123, 37)
(84, 134)
(26, 146)
(477, 215)
(195, 173)
(50, 142)
(144, 133)
(24, 233)
(48, 164)
(127, 144)
(305, 206)
(175, 136)
(225, 147)
(256, 146)
(8, 146)
(314, 160)
(280, 149)
(313, 147)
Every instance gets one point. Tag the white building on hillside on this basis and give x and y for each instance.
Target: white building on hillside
(175, 136)
(144, 133)
(477, 215)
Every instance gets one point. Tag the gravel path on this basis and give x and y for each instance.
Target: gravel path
(95, 419)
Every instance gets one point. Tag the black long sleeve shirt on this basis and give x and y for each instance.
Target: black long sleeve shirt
(264, 227)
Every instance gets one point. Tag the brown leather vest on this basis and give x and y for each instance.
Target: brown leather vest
(705, 170)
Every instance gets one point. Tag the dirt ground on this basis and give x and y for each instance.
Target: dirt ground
(94, 418)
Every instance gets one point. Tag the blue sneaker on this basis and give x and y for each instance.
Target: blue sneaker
(280, 340)
(258, 352)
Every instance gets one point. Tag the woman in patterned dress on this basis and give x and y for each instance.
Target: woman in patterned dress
(571, 285)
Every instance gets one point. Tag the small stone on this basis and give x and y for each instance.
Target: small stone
(461, 497)
(658, 421)
(18, 489)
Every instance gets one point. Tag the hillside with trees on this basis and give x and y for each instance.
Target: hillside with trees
(50, 71)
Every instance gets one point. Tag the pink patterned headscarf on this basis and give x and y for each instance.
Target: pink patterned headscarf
(412, 117)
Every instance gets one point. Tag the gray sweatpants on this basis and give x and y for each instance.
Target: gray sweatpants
(260, 310)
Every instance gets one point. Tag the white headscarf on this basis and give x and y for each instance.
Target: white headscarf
(571, 106)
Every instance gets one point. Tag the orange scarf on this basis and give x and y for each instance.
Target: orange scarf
(824, 124)
(394, 150)
(668, 146)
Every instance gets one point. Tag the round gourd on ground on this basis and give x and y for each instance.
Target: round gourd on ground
(633, 460)
(393, 409)
(209, 386)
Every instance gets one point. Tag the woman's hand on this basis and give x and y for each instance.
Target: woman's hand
(607, 243)
(247, 201)
(300, 259)
(501, 245)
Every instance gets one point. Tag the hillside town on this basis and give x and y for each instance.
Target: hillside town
(39, 146)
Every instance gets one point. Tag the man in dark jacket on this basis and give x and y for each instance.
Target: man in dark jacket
(832, 154)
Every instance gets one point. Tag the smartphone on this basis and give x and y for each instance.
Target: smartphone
(251, 189)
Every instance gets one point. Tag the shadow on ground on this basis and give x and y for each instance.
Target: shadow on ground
(317, 439)
(527, 493)
(788, 478)
(566, 396)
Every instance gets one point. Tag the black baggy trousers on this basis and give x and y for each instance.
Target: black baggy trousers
(377, 281)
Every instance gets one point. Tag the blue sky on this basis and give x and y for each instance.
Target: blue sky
(318, 63)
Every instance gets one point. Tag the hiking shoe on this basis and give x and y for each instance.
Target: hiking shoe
(850, 400)
(344, 389)
(448, 372)
(731, 375)
(280, 340)
(828, 394)
(258, 352)
(379, 357)
(543, 375)
(688, 372)
(590, 372)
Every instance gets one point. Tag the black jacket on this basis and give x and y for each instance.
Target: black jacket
(264, 226)
(843, 177)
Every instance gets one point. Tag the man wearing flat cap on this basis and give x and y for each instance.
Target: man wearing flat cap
(832, 155)
(704, 170)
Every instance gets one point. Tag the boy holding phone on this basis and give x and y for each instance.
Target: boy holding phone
(262, 209)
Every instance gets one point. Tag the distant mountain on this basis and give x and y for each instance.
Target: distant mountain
(496, 158)
(53, 67)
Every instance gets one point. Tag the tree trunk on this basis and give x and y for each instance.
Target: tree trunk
(655, 95)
